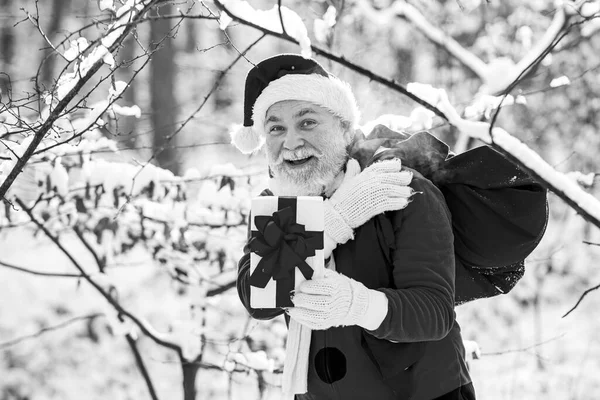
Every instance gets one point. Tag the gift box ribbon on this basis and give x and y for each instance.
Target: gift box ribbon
(283, 244)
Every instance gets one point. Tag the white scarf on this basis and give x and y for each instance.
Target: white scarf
(297, 348)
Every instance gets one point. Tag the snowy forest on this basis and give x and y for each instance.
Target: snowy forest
(124, 206)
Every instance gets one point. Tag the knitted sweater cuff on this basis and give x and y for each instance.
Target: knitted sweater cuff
(376, 311)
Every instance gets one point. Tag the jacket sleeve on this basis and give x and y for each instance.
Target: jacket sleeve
(421, 305)
(243, 285)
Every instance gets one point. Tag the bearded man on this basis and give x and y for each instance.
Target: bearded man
(382, 318)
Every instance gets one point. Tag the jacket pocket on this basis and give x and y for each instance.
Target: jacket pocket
(395, 362)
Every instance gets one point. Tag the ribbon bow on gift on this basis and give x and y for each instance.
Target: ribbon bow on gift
(283, 245)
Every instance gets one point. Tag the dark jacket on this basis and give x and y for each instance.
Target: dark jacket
(417, 352)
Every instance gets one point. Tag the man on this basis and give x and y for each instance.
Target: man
(383, 316)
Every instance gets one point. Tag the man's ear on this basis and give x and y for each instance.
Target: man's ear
(351, 135)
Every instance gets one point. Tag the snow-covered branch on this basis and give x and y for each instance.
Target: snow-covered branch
(143, 325)
(338, 59)
(431, 32)
(530, 161)
(69, 84)
(499, 74)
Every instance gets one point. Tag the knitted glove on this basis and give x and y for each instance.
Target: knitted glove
(363, 195)
(336, 300)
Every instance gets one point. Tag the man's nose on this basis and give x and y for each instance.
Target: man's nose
(293, 139)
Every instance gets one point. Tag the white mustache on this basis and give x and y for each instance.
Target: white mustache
(298, 154)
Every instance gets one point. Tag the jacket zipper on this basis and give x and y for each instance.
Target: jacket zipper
(326, 359)
(333, 385)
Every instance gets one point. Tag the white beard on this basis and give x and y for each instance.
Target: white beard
(286, 186)
(313, 180)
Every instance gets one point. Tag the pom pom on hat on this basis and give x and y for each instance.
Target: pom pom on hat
(303, 79)
(246, 139)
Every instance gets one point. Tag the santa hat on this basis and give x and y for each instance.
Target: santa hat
(289, 77)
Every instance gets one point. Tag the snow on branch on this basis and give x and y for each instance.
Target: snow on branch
(278, 19)
(530, 161)
(498, 75)
(144, 326)
(433, 33)
(70, 83)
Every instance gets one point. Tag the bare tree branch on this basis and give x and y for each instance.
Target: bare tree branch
(108, 106)
(221, 289)
(140, 364)
(39, 273)
(281, 17)
(101, 265)
(581, 299)
(499, 353)
(12, 342)
(591, 243)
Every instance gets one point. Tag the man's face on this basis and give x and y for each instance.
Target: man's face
(306, 145)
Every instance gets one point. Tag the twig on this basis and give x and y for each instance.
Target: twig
(581, 299)
(110, 103)
(591, 243)
(143, 325)
(281, 17)
(36, 22)
(39, 273)
(141, 366)
(101, 265)
(220, 289)
(526, 65)
(499, 353)
(524, 72)
(39, 333)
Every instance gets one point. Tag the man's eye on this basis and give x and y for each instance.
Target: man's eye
(276, 129)
(308, 123)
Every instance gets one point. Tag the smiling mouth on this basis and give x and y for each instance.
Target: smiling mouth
(299, 162)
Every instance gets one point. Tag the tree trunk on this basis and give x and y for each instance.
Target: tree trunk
(190, 371)
(191, 36)
(127, 126)
(222, 96)
(401, 41)
(58, 10)
(162, 84)
(7, 50)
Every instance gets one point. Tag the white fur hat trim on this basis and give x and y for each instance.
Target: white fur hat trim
(327, 92)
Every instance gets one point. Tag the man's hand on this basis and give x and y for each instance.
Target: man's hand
(336, 300)
(363, 195)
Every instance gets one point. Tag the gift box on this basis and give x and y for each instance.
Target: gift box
(286, 247)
